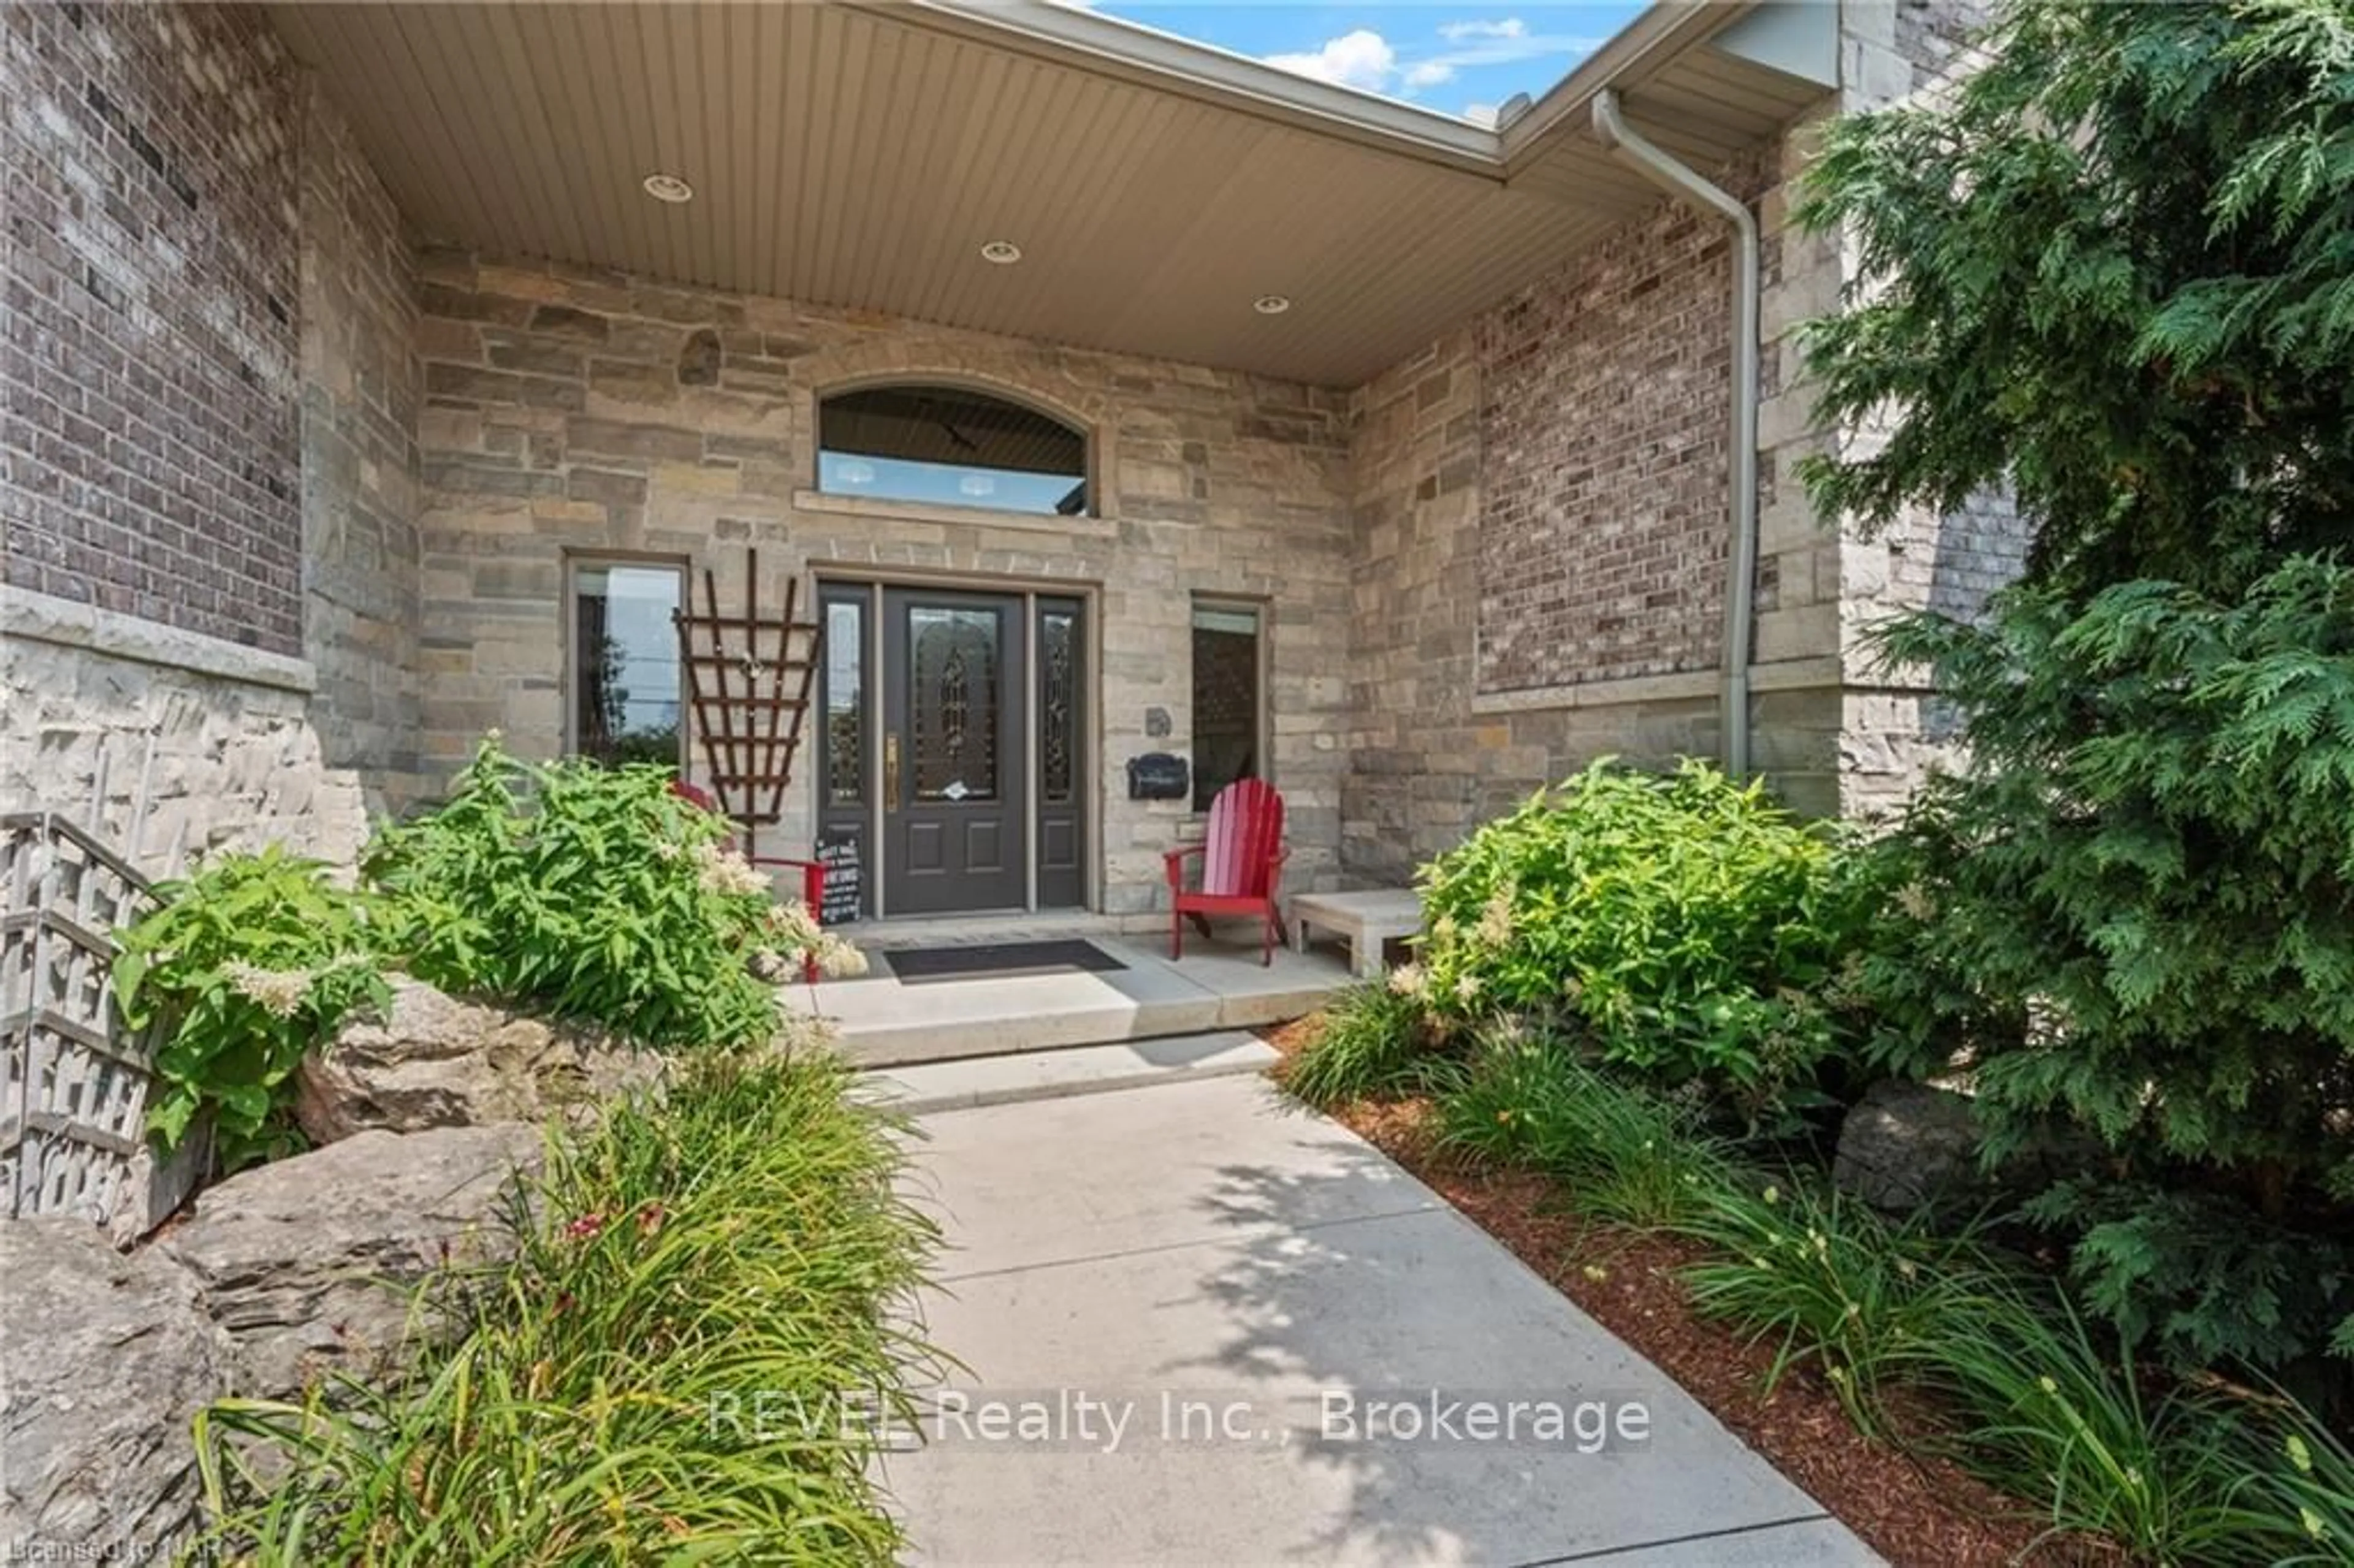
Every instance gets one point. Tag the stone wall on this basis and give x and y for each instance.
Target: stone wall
(148, 359)
(1431, 757)
(1891, 731)
(558, 422)
(361, 393)
(167, 743)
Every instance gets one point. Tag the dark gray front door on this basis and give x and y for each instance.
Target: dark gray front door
(955, 762)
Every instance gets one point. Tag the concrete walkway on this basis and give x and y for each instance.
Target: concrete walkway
(1204, 1327)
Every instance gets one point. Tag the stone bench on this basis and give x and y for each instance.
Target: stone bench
(1369, 920)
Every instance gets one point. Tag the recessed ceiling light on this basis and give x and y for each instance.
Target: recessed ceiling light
(669, 189)
(1003, 252)
(1271, 305)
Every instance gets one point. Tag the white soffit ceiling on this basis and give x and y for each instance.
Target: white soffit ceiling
(859, 155)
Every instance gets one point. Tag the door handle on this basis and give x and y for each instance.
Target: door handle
(891, 770)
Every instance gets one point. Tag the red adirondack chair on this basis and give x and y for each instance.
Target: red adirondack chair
(1242, 857)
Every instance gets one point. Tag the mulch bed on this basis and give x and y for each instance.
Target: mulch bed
(1916, 1512)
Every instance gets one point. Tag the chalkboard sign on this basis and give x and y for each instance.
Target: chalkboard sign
(1158, 776)
(845, 883)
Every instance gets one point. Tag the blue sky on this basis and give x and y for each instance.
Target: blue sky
(1459, 59)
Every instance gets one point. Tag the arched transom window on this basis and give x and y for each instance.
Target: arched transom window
(951, 446)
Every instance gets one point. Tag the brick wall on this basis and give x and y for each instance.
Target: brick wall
(1602, 540)
(148, 456)
(557, 419)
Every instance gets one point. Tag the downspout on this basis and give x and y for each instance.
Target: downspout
(1741, 571)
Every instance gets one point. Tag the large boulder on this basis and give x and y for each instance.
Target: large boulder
(435, 1060)
(312, 1264)
(1906, 1146)
(108, 1358)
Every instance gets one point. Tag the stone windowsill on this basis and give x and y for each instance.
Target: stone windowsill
(1788, 675)
(825, 503)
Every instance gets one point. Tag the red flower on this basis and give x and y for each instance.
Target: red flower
(587, 1225)
(650, 1219)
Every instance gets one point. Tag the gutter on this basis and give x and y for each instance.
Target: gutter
(1740, 570)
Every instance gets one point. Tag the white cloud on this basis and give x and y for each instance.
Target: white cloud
(1498, 48)
(1362, 59)
(1510, 27)
(1481, 114)
(1367, 61)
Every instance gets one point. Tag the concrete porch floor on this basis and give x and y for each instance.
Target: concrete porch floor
(882, 1020)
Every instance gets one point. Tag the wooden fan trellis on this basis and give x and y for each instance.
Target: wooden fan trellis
(748, 679)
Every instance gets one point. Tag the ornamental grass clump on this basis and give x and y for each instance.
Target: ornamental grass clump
(593, 892)
(1689, 926)
(700, 1351)
(1373, 1042)
(1625, 1154)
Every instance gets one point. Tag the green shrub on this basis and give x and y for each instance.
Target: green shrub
(2136, 914)
(1625, 1154)
(249, 964)
(1688, 922)
(1372, 1043)
(694, 1280)
(592, 893)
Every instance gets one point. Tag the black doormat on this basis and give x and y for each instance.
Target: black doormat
(919, 966)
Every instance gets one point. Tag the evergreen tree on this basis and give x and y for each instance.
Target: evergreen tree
(2113, 271)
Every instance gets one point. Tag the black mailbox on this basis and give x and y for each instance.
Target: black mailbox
(1159, 776)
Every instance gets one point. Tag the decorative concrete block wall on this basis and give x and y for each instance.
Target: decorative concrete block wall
(167, 743)
(557, 421)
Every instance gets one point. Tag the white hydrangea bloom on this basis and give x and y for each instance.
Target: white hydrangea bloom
(278, 991)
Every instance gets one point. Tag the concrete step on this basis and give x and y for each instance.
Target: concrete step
(882, 1022)
(925, 1087)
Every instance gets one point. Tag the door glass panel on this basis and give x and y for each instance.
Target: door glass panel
(952, 709)
(1057, 720)
(845, 690)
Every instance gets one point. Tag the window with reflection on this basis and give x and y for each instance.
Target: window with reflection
(1227, 708)
(950, 445)
(625, 682)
